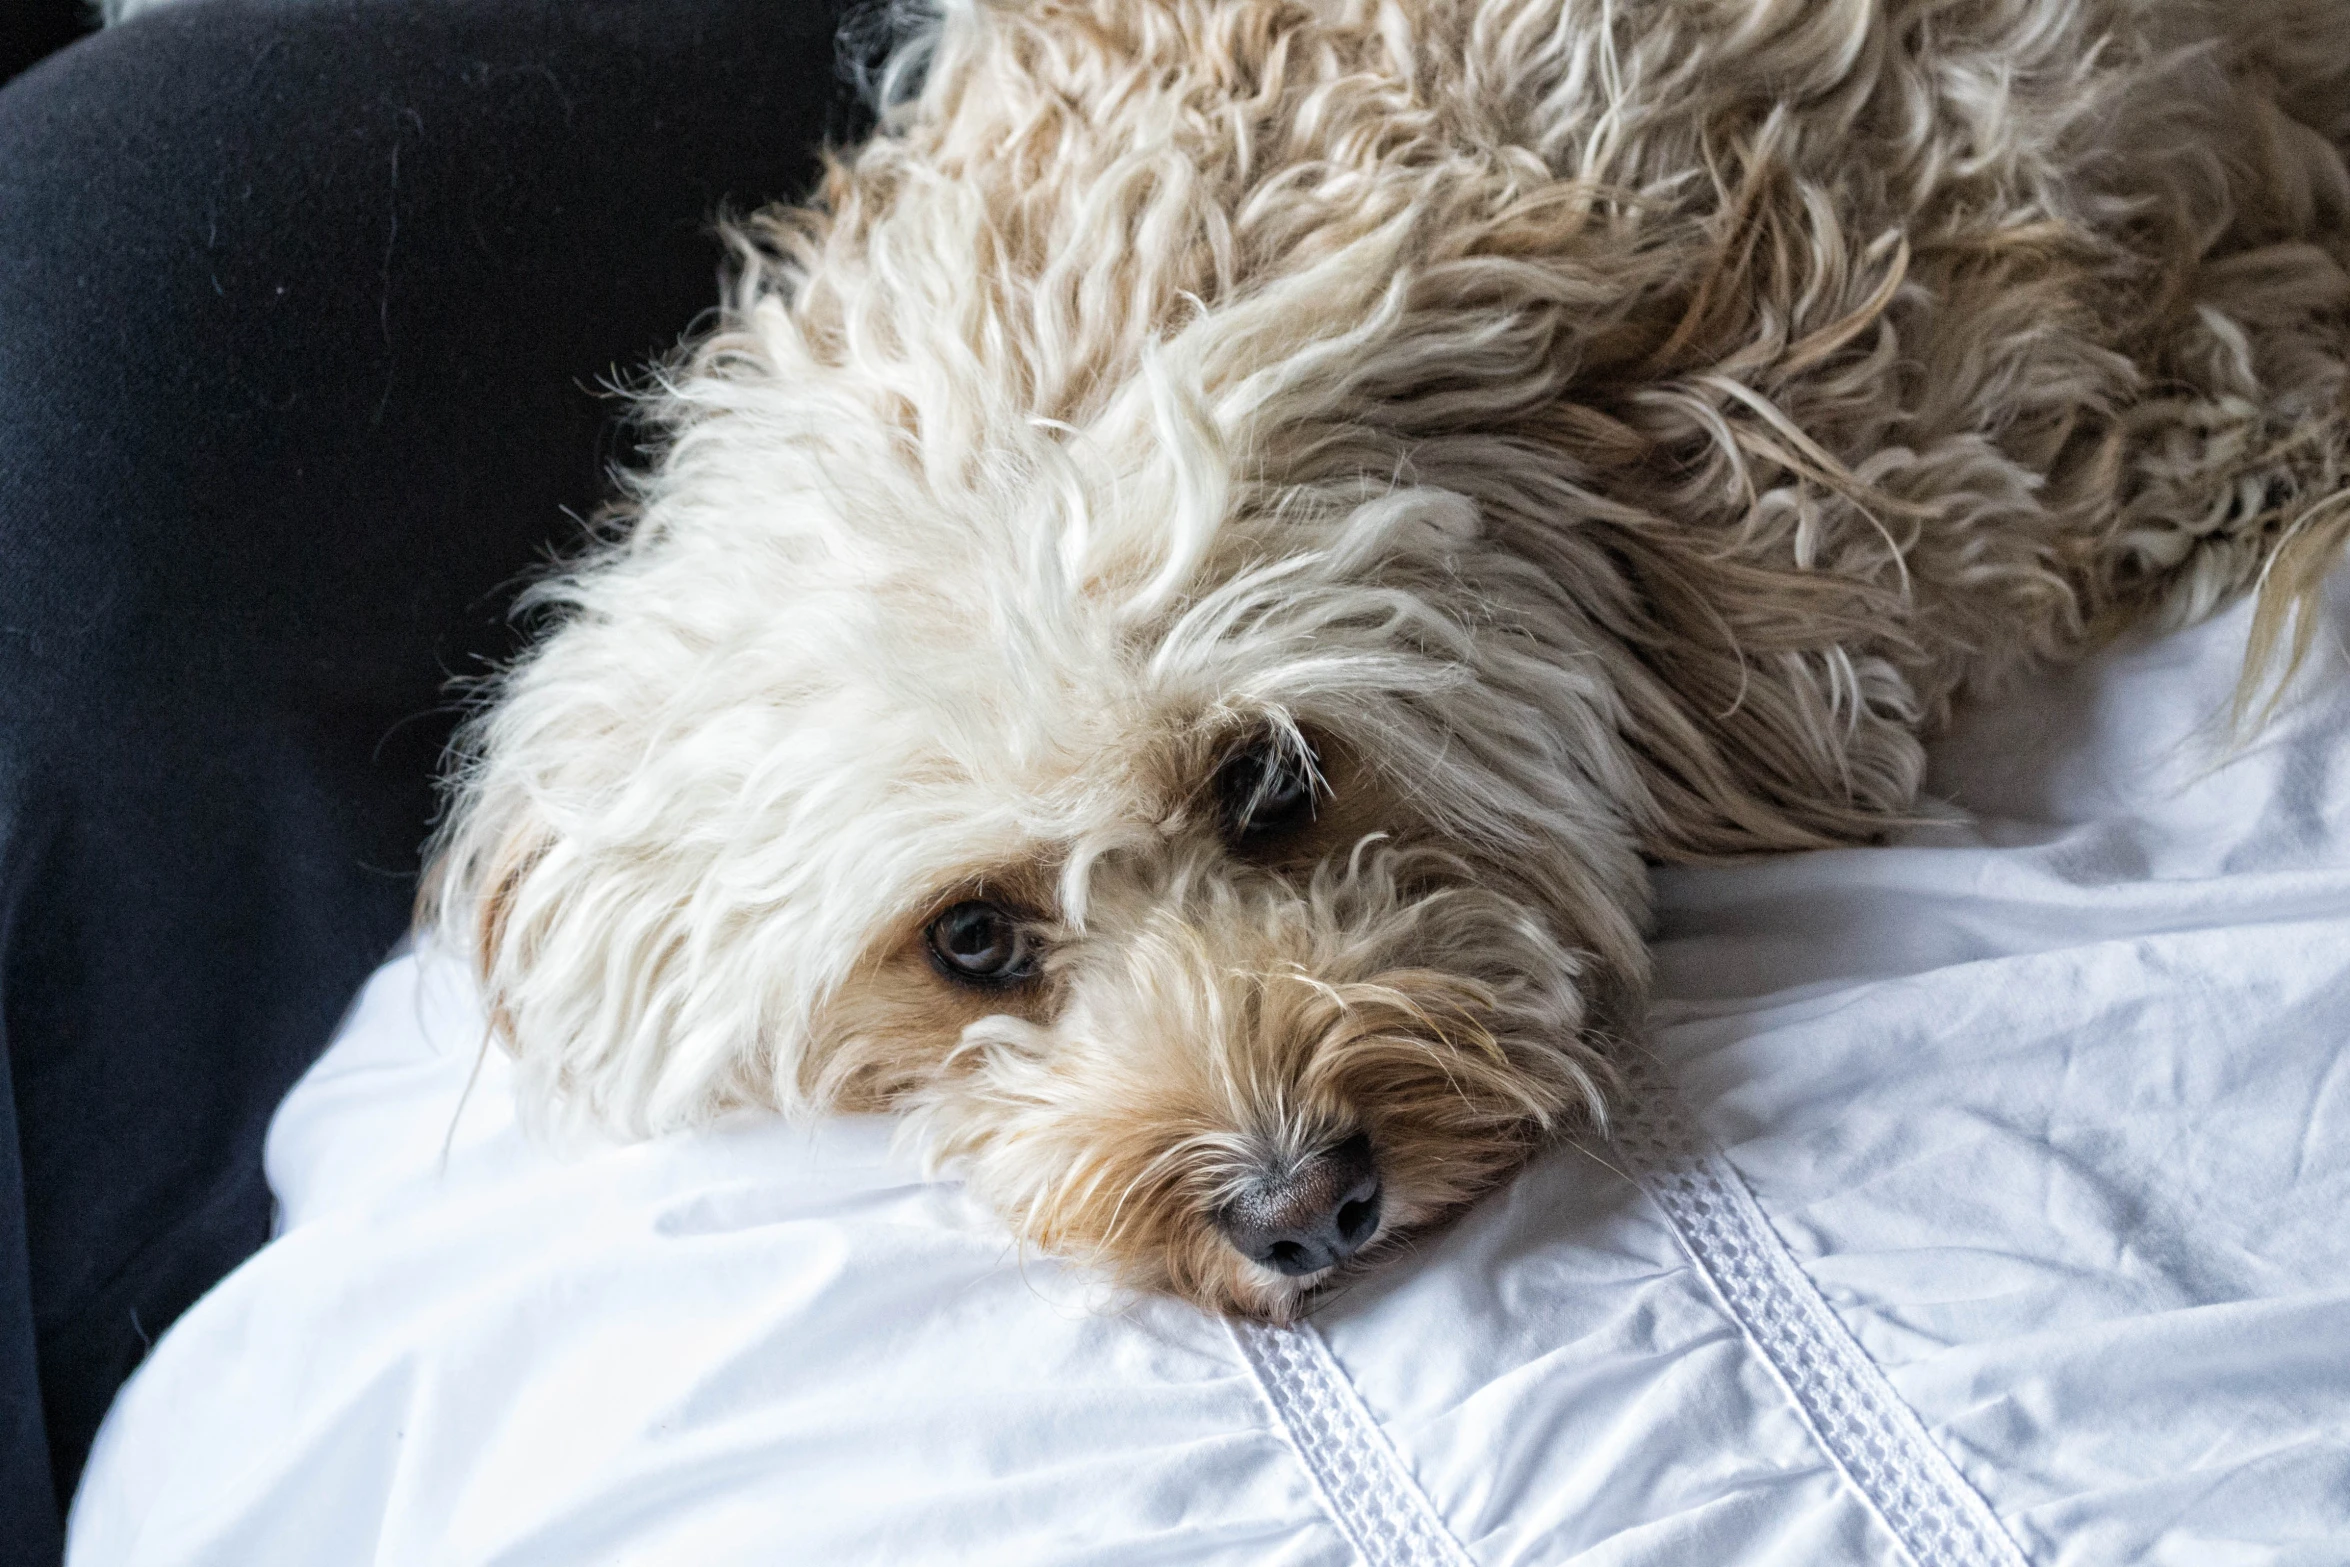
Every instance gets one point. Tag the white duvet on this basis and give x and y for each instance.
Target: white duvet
(1984, 1203)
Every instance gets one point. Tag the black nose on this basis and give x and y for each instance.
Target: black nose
(1315, 1217)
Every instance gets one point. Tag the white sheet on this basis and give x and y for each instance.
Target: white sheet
(1990, 1209)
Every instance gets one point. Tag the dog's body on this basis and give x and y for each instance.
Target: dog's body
(1193, 581)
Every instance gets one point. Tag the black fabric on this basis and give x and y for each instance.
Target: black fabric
(30, 29)
(304, 310)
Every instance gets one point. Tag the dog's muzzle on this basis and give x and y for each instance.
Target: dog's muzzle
(1314, 1216)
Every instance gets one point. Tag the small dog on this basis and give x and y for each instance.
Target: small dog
(1193, 580)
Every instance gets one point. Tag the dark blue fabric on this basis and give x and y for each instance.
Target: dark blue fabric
(304, 307)
(30, 29)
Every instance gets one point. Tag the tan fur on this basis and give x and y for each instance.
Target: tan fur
(1606, 430)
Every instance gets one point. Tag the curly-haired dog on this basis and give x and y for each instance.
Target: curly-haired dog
(1194, 579)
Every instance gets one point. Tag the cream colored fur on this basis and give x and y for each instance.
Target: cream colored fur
(1604, 431)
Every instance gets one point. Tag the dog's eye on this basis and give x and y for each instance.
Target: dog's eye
(979, 943)
(1267, 788)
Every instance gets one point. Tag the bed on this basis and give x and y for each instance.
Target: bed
(1981, 1200)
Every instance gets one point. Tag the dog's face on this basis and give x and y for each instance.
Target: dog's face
(1221, 900)
(1162, 735)
(1251, 1019)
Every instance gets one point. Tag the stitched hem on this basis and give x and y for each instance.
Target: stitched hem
(1362, 1481)
(1874, 1439)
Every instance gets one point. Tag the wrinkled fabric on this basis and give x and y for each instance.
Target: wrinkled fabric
(2055, 1107)
(2045, 1104)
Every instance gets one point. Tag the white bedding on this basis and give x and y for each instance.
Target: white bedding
(1990, 1209)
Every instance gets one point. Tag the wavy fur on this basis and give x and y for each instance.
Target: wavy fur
(1602, 431)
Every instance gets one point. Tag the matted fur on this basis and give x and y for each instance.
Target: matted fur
(1599, 431)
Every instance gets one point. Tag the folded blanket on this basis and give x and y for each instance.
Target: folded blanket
(1981, 1200)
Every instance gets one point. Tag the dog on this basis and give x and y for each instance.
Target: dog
(1191, 583)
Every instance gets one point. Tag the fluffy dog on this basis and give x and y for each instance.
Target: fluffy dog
(1192, 581)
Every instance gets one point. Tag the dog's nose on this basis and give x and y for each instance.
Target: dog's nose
(1320, 1214)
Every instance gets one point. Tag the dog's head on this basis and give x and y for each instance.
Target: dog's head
(1130, 667)
(1208, 839)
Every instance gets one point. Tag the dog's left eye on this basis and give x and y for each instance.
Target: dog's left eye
(1266, 789)
(978, 943)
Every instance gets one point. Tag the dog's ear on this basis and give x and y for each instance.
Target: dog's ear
(487, 895)
(1756, 727)
(467, 899)
(592, 967)
(1762, 600)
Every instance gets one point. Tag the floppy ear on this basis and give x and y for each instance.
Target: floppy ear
(467, 898)
(1686, 487)
(628, 1001)
(1752, 738)
(507, 891)
(1770, 593)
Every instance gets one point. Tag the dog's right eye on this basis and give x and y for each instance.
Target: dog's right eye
(979, 943)
(1267, 789)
